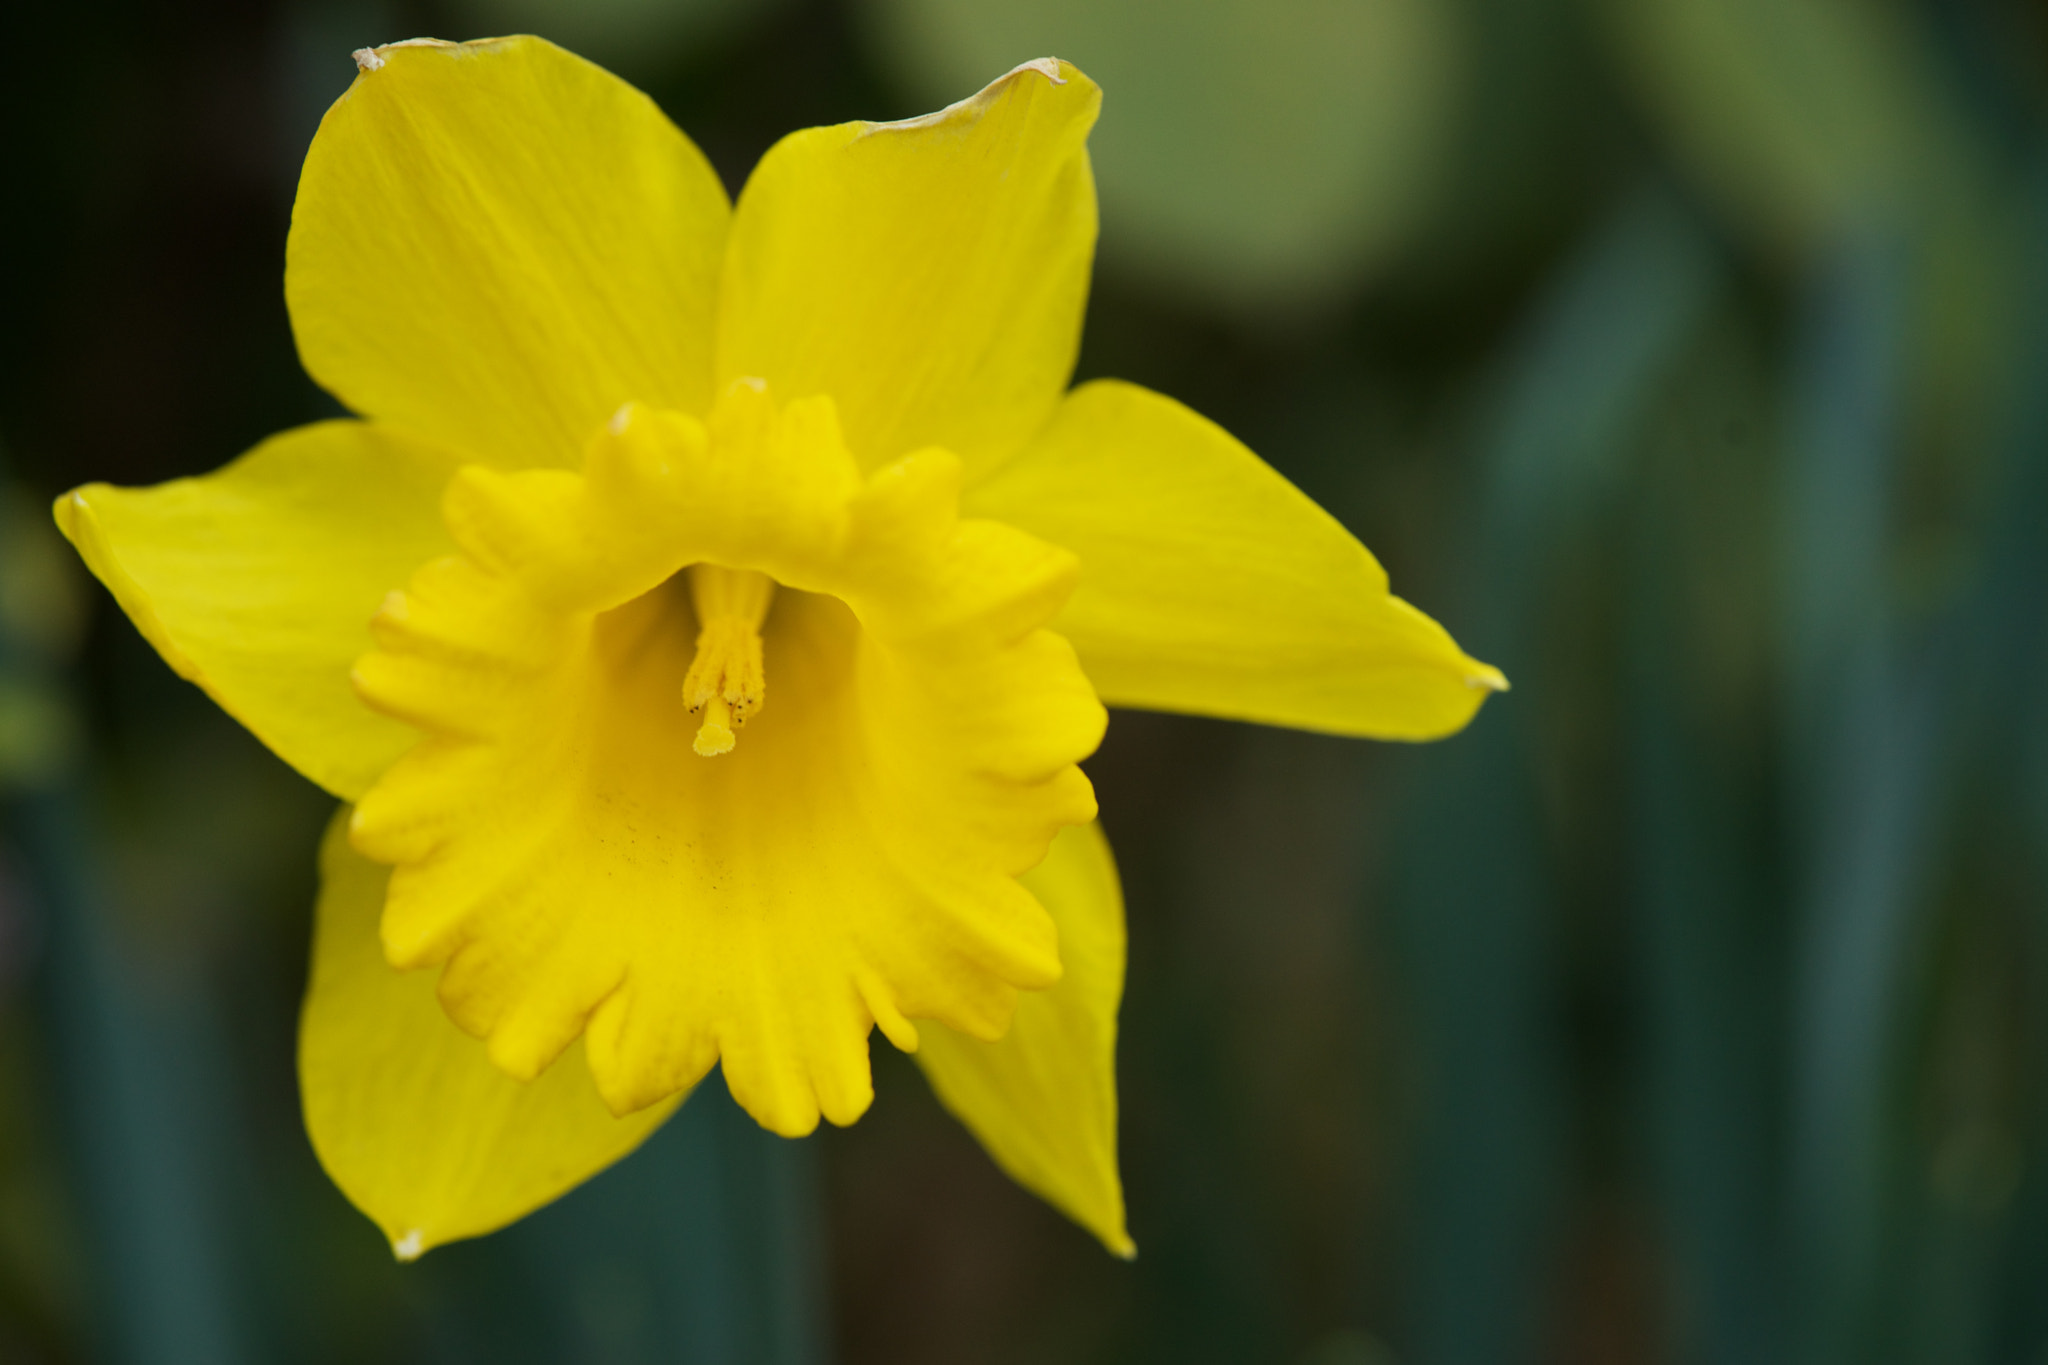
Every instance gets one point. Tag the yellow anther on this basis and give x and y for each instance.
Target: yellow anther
(726, 680)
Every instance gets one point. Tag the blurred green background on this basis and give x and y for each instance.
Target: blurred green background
(1687, 358)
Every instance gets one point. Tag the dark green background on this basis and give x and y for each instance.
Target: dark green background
(1689, 1007)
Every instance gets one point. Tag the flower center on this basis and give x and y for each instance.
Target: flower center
(573, 873)
(726, 681)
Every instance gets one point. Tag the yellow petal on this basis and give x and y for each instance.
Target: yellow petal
(1211, 585)
(577, 857)
(497, 243)
(258, 581)
(409, 1117)
(929, 275)
(1043, 1098)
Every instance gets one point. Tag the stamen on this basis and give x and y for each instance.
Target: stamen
(726, 680)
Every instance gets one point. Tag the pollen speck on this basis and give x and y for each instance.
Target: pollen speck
(367, 59)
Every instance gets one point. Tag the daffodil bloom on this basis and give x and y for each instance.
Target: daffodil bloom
(706, 618)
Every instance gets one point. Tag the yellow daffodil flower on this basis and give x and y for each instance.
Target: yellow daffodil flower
(706, 617)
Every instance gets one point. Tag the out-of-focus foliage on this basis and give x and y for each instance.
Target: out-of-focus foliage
(1807, 116)
(41, 612)
(1265, 155)
(1685, 357)
(628, 36)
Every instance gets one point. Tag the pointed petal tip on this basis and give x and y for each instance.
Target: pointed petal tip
(370, 59)
(1121, 1246)
(1488, 677)
(1052, 68)
(74, 515)
(1048, 67)
(409, 1245)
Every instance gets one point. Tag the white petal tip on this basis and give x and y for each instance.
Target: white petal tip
(372, 58)
(410, 1246)
(1048, 67)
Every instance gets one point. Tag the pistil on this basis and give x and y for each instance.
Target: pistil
(726, 681)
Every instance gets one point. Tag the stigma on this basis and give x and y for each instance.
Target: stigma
(726, 682)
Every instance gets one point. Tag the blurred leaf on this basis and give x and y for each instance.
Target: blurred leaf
(142, 1113)
(42, 601)
(1800, 113)
(1704, 928)
(38, 732)
(631, 37)
(1349, 1347)
(1523, 161)
(1266, 154)
(1478, 881)
(700, 1248)
(41, 611)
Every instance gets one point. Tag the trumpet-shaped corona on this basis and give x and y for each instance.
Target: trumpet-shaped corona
(565, 853)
